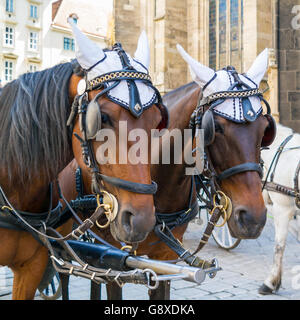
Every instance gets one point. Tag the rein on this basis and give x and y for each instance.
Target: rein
(276, 187)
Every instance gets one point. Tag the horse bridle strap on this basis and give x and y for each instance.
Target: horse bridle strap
(244, 167)
(129, 185)
(90, 161)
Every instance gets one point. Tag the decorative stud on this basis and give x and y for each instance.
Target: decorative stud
(137, 107)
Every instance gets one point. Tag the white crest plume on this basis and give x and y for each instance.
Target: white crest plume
(200, 73)
(259, 67)
(142, 53)
(87, 52)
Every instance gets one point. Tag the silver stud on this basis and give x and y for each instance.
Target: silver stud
(137, 107)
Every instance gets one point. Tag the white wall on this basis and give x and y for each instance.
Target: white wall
(50, 43)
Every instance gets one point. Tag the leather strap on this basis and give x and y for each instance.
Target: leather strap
(129, 185)
(174, 219)
(248, 166)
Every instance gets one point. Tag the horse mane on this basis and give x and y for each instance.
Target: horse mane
(34, 138)
(173, 96)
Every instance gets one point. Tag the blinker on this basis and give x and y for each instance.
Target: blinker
(208, 125)
(270, 132)
(93, 119)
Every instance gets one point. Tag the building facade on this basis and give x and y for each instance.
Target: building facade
(219, 33)
(34, 34)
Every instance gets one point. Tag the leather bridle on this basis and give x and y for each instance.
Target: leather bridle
(203, 118)
(81, 105)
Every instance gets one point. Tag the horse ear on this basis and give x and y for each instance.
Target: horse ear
(87, 52)
(259, 67)
(200, 73)
(142, 53)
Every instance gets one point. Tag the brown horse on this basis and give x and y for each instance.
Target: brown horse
(234, 154)
(36, 145)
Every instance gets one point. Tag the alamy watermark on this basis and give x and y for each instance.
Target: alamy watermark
(164, 147)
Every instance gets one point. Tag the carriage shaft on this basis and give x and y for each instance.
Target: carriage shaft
(187, 273)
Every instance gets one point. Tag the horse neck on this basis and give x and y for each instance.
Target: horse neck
(173, 183)
(181, 105)
(32, 196)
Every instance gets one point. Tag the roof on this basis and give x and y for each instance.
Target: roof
(93, 15)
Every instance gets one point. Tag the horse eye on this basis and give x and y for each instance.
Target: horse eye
(105, 118)
(219, 128)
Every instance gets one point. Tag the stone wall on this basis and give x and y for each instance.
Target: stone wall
(166, 25)
(127, 23)
(168, 22)
(289, 64)
(175, 32)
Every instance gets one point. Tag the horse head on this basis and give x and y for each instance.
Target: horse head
(234, 131)
(114, 96)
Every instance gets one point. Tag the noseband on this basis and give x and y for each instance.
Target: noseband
(203, 118)
(90, 118)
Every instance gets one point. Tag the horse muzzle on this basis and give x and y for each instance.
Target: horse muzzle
(245, 223)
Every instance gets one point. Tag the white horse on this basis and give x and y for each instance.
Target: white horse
(284, 207)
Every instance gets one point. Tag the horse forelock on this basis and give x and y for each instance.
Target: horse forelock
(34, 138)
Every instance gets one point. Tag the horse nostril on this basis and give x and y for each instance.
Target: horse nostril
(127, 220)
(244, 216)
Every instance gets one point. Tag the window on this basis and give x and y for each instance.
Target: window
(9, 36)
(212, 34)
(33, 11)
(225, 33)
(33, 67)
(8, 70)
(69, 44)
(222, 32)
(9, 7)
(33, 40)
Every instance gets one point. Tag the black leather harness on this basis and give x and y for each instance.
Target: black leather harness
(276, 187)
(181, 217)
(9, 220)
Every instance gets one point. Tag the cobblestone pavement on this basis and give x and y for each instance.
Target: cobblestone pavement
(243, 271)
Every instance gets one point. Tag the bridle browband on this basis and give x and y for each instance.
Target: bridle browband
(80, 106)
